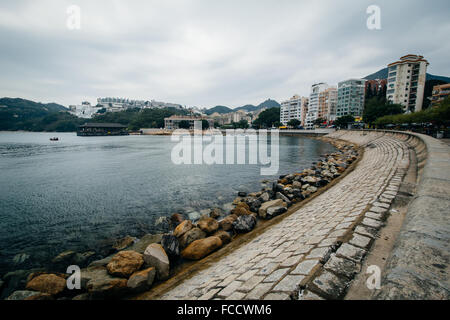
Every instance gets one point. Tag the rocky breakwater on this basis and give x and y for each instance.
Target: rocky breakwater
(139, 263)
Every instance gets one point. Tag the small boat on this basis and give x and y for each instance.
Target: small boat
(54, 139)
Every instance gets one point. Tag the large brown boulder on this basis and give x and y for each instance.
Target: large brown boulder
(191, 236)
(208, 225)
(47, 283)
(125, 263)
(224, 236)
(240, 211)
(182, 228)
(155, 256)
(201, 248)
(226, 223)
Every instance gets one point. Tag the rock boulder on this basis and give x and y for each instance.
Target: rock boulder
(125, 263)
(201, 248)
(155, 256)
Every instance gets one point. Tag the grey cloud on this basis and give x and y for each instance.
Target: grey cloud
(205, 53)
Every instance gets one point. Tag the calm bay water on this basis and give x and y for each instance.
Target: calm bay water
(81, 192)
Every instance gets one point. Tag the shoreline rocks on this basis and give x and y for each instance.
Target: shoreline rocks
(138, 263)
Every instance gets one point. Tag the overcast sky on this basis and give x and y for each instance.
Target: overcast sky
(207, 53)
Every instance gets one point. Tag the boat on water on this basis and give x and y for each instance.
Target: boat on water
(54, 139)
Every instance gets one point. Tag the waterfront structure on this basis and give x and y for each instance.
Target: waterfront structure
(328, 104)
(440, 93)
(173, 122)
(406, 82)
(102, 129)
(294, 108)
(351, 97)
(313, 106)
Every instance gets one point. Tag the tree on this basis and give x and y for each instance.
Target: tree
(243, 124)
(343, 121)
(205, 124)
(376, 108)
(184, 124)
(319, 121)
(268, 118)
(294, 123)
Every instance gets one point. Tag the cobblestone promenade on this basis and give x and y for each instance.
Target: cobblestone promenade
(315, 252)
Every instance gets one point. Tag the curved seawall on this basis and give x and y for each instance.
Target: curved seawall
(318, 251)
(417, 267)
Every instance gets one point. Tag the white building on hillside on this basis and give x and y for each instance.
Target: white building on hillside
(313, 107)
(406, 82)
(83, 110)
(294, 108)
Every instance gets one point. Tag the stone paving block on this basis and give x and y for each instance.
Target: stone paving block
(331, 285)
(338, 233)
(260, 290)
(236, 296)
(373, 215)
(209, 295)
(228, 290)
(360, 241)
(367, 231)
(276, 275)
(343, 267)
(291, 261)
(371, 223)
(289, 283)
(306, 267)
(314, 240)
(251, 283)
(378, 209)
(351, 252)
(247, 275)
(268, 268)
(283, 257)
(328, 242)
(277, 296)
(319, 253)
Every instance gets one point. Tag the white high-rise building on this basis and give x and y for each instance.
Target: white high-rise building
(351, 97)
(294, 108)
(406, 82)
(313, 107)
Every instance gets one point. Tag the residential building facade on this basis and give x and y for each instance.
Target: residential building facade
(313, 106)
(328, 104)
(350, 99)
(439, 94)
(294, 108)
(406, 82)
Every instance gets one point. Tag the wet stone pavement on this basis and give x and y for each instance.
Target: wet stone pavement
(315, 252)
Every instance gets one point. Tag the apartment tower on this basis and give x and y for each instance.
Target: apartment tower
(406, 82)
